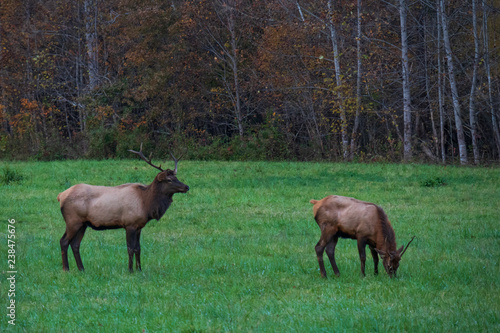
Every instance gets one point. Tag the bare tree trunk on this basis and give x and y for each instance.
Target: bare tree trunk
(90, 9)
(354, 135)
(338, 82)
(462, 148)
(78, 79)
(406, 83)
(300, 10)
(315, 128)
(428, 91)
(472, 109)
(68, 127)
(494, 121)
(234, 65)
(440, 88)
(226, 49)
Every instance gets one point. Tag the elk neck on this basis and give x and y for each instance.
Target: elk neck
(387, 238)
(155, 202)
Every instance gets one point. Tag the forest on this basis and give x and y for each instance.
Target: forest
(346, 80)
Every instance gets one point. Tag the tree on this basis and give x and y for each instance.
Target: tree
(472, 96)
(406, 82)
(90, 14)
(355, 127)
(223, 41)
(338, 81)
(298, 79)
(453, 85)
(494, 121)
(440, 84)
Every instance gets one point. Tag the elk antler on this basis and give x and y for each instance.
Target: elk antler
(141, 155)
(176, 161)
(407, 246)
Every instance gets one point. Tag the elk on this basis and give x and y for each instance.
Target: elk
(365, 222)
(128, 206)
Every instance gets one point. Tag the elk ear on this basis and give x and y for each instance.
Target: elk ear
(381, 253)
(401, 249)
(162, 176)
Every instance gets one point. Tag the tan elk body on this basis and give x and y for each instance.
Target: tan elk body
(367, 223)
(128, 206)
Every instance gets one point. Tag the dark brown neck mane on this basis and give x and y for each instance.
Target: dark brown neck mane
(388, 238)
(155, 202)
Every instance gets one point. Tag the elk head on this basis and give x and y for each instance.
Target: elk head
(166, 179)
(391, 259)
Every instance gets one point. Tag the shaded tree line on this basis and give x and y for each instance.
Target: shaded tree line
(361, 80)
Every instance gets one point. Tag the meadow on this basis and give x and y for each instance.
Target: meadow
(236, 253)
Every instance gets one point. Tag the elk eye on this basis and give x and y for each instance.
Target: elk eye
(169, 180)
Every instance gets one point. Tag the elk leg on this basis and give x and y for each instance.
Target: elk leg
(65, 241)
(131, 240)
(138, 250)
(375, 259)
(320, 248)
(330, 251)
(326, 237)
(64, 251)
(75, 246)
(362, 254)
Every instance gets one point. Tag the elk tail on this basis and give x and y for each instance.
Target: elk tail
(59, 197)
(313, 201)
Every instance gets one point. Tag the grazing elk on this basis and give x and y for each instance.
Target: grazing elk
(366, 222)
(128, 206)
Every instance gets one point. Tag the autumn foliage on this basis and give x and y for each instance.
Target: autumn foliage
(241, 79)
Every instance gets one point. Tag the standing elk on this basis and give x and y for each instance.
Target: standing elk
(365, 222)
(128, 206)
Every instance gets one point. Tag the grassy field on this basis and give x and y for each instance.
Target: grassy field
(236, 253)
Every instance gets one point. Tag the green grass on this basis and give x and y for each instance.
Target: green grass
(236, 253)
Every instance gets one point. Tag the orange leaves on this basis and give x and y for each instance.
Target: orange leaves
(25, 119)
(28, 105)
(31, 116)
(128, 124)
(105, 116)
(103, 112)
